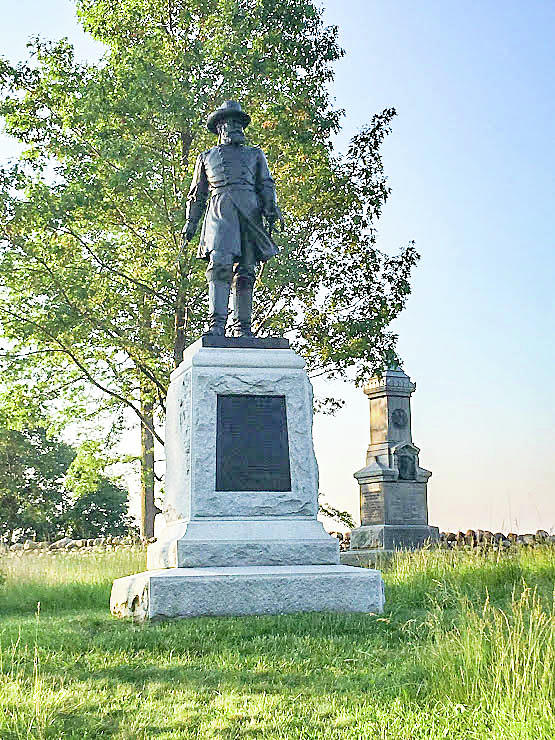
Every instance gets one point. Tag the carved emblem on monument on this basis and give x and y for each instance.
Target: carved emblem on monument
(407, 467)
(399, 418)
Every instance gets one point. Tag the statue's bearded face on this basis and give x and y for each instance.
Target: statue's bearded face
(231, 131)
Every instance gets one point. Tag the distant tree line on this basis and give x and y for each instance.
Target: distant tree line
(49, 489)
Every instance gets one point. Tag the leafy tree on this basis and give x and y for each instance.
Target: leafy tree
(92, 292)
(98, 505)
(48, 490)
(98, 513)
(32, 469)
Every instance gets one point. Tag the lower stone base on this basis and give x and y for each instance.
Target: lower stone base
(393, 536)
(366, 558)
(193, 592)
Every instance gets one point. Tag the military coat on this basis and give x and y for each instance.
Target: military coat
(236, 182)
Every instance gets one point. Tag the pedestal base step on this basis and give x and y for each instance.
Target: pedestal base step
(192, 592)
(393, 536)
(230, 554)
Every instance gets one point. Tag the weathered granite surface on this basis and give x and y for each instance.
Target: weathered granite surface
(365, 558)
(192, 592)
(243, 542)
(191, 433)
(393, 537)
(209, 527)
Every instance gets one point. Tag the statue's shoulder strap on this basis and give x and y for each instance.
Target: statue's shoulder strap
(255, 154)
(201, 157)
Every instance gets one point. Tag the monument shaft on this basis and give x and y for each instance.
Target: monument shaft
(241, 489)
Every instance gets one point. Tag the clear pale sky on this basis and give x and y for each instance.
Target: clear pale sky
(472, 165)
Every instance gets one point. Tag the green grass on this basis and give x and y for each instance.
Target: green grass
(465, 649)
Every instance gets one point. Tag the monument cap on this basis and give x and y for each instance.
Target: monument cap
(230, 109)
(393, 382)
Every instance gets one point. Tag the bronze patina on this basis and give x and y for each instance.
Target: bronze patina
(234, 190)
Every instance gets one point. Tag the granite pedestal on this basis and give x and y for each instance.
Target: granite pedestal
(241, 534)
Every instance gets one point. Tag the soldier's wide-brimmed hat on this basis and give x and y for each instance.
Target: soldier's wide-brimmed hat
(230, 109)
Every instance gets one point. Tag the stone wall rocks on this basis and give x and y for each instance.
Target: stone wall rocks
(474, 538)
(67, 544)
(484, 538)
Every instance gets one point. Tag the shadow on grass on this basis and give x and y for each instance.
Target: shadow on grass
(53, 598)
(314, 655)
(87, 724)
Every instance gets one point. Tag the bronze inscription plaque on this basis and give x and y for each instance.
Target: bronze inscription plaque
(252, 444)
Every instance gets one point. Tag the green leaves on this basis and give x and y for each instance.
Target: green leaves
(91, 288)
(32, 466)
(47, 490)
(86, 469)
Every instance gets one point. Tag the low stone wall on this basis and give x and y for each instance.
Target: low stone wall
(474, 538)
(447, 540)
(67, 544)
(481, 537)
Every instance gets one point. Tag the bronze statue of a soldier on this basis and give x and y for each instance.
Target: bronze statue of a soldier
(236, 180)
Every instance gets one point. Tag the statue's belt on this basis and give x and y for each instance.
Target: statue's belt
(215, 189)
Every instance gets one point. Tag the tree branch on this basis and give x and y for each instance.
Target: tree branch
(109, 329)
(85, 370)
(119, 273)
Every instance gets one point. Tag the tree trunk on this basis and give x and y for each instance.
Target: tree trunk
(147, 396)
(180, 317)
(180, 320)
(148, 507)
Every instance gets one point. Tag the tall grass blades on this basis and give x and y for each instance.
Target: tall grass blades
(63, 581)
(498, 659)
(465, 650)
(23, 695)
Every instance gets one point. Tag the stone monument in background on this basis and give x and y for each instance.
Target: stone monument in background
(393, 486)
(241, 534)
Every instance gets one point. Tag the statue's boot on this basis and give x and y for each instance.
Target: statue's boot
(242, 306)
(218, 298)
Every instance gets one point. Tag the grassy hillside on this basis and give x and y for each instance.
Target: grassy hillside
(465, 649)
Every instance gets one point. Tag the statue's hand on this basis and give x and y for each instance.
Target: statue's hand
(188, 233)
(280, 219)
(276, 216)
